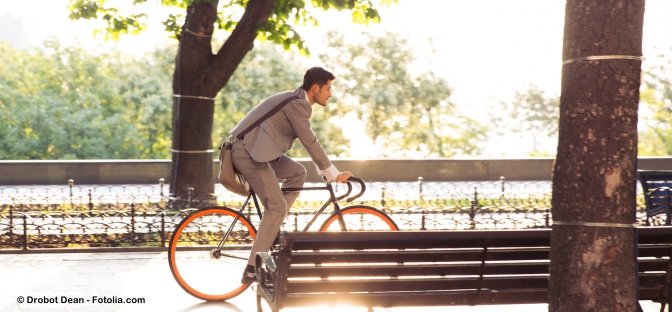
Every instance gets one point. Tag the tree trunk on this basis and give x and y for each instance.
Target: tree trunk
(593, 241)
(199, 75)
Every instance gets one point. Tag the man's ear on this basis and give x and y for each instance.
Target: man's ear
(315, 88)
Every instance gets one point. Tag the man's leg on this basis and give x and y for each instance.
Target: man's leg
(263, 181)
(293, 174)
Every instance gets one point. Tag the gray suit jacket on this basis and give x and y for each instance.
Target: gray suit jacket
(274, 137)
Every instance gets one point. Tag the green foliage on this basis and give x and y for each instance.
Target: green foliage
(405, 115)
(115, 22)
(65, 103)
(531, 112)
(655, 134)
(278, 29)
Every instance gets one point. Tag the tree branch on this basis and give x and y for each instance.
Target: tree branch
(240, 42)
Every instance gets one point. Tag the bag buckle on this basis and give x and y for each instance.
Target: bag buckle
(227, 143)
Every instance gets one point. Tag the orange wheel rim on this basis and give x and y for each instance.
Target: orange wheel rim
(364, 210)
(173, 264)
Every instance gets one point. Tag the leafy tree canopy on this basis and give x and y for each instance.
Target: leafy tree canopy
(278, 28)
(65, 103)
(531, 114)
(406, 115)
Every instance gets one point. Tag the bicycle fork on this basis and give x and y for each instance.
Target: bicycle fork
(337, 209)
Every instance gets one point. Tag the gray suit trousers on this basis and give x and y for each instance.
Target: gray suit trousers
(264, 178)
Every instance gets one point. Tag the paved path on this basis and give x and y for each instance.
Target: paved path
(99, 280)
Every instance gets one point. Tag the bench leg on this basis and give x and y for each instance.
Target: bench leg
(259, 309)
(260, 303)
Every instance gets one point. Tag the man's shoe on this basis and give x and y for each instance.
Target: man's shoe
(249, 276)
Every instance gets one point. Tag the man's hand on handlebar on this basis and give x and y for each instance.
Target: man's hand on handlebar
(343, 177)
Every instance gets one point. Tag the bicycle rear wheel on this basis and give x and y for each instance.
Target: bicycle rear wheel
(360, 218)
(198, 265)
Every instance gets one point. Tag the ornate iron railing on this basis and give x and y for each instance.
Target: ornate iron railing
(141, 215)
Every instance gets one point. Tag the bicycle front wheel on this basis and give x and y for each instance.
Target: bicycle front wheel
(360, 218)
(201, 265)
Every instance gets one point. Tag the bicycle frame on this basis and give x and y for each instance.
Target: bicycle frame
(332, 200)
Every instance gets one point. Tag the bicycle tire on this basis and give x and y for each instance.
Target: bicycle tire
(195, 266)
(360, 218)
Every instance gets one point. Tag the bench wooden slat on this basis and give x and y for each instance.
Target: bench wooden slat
(656, 251)
(439, 239)
(417, 284)
(653, 265)
(418, 240)
(432, 255)
(649, 279)
(497, 282)
(651, 293)
(434, 269)
(654, 235)
(424, 298)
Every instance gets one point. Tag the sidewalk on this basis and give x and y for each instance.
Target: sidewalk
(103, 281)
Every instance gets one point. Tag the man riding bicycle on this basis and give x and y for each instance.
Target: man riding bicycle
(260, 155)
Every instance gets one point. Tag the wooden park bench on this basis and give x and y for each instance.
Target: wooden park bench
(657, 189)
(430, 268)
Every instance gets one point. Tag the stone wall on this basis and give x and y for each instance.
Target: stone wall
(382, 170)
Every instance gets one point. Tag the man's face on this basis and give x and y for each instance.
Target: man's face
(323, 93)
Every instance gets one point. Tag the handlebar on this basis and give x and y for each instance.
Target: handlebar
(346, 193)
(362, 188)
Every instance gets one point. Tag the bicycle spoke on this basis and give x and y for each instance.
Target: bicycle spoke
(230, 255)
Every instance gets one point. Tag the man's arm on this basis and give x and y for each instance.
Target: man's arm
(331, 174)
(299, 118)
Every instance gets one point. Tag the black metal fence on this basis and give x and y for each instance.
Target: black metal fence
(141, 215)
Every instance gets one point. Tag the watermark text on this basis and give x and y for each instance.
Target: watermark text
(78, 300)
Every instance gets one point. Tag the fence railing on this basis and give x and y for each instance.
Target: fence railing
(141, 215)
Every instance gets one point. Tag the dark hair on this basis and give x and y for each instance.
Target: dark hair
(316, 75)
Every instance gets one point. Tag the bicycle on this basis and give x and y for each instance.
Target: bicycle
(211, 243)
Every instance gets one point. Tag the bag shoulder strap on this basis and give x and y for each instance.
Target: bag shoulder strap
(266, 116)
